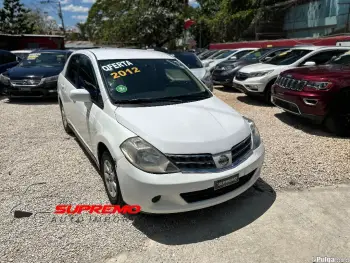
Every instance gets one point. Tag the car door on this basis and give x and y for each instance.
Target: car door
(68, 83)
(86, 113)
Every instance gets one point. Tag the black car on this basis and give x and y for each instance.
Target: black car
(7, 61)
(35, 76)
(225, 71)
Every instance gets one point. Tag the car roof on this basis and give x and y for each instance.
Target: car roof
(126, 53)
(21, 51)
(313, 48)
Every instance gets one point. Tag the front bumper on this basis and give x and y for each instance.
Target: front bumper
(139, 188)
(311, 105)
(225, 80)
(44, 90)
(251, 85)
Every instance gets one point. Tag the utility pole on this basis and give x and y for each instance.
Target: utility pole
(60, 14)
(348, 19)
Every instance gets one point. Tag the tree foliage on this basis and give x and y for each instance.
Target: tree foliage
(151, 22)
(14, 18)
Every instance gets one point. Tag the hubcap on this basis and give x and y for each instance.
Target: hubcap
(110, 178)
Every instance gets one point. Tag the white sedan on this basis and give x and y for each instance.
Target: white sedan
(160, 138)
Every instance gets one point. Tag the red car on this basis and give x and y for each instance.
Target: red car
(321, 93)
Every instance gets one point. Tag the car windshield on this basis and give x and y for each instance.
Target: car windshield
(151, 80)
(341, 60)
(189, 59)
(255, 55)
(21, 55)
(289, 57)
(226, 54)
(207, 54)
(44, 59)
(216, 54)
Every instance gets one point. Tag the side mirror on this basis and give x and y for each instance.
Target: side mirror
(266, 59)
(233, 58)
(309, 63)
(80, 95)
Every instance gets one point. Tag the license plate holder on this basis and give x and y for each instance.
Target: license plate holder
(233, 179)
(25, 89)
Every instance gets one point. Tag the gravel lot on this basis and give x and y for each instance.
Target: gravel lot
(35, 150)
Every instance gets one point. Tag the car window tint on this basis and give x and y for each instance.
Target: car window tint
(323, 57)
(87, 79)
(72, 70)
(9, 58)
(148, 78)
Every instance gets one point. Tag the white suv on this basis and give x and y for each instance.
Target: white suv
(160, 138)
(257, 79)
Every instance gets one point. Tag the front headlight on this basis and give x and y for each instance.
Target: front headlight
(50, 79)
(259, 74)
(255, 133)
(4, 80)
(145, 157)
(319, 85)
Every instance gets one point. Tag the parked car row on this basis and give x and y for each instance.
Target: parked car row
(308, 81)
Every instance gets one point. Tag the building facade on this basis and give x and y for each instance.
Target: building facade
(317, 18)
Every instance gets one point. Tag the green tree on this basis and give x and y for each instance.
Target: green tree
(13, 18)
(148, 22)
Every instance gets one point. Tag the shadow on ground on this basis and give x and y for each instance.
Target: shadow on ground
(304, 125)
(254, 101)
(32, 101)
(209, 223)
(227, 89)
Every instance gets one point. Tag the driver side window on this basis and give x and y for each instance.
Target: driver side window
(87, 80)
(323, 57)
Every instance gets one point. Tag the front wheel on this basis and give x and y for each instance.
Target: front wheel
(110, 179)
(338, 119)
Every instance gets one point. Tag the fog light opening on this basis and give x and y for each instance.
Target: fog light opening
(311, 102)
(156, 199)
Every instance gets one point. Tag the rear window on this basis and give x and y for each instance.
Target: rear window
(149, 78)
(189, 59)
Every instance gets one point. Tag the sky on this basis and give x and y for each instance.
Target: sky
(74, 11)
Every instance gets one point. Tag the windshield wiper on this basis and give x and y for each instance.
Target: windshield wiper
(149, 100)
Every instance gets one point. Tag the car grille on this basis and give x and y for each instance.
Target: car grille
(210, 193)
(290, 83)
(242, 76)
(26, 82)
(240, 150)
(197, 162)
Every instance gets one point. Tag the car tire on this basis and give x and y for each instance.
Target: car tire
(110, 179)
(338, 118)
(65, 124)
(267, 92)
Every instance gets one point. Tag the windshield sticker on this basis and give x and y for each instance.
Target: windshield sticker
(117, 65)
(33, 56)
(121, 89)
(126, 72)
(283, 54)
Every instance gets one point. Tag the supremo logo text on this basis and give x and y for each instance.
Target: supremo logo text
(97, 209)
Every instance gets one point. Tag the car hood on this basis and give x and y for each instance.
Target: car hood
(260, 67)
(199, 72)
(33, 72)
(238, 63)
(206, 126)
(324, 71)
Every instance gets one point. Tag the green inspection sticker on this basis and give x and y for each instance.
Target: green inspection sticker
(121, 88)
